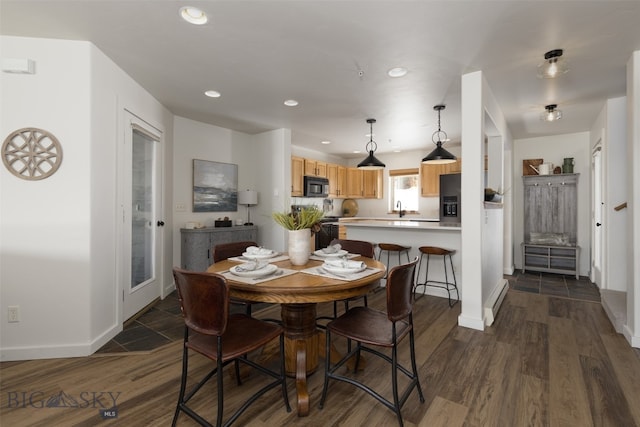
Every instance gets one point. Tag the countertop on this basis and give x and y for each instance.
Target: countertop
(415, 224)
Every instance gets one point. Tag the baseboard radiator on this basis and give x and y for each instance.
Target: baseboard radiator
(494, 302)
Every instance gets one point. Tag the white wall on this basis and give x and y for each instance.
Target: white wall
(609, 130)
(263, 165)
(554, 149)
(632, 328)
(482, 228)
(57, 246)
(45, 245)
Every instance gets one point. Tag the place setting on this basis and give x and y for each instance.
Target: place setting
(331, 252)
(342, 269)
(256, 271)
(260, 253)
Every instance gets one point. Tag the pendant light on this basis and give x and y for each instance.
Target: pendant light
(551, 113)
(554, 65)
(371, 162)
(439, 156)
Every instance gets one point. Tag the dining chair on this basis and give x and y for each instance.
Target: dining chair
(222, 337)
(360, 247)
(372, 329)
(223, 251)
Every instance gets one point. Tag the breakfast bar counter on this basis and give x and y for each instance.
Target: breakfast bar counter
(415, 234)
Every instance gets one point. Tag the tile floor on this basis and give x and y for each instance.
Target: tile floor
(555, 285)
(163, 323)
(159, 325)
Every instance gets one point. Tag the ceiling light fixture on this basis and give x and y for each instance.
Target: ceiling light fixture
(212, 94)
(551, 113)
(553, 66)
(290, 102)
(371, 162)
(325, 142)
(439, 156)
(397, 72)
(193, 15)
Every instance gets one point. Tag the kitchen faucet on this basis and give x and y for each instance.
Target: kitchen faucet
(399, 205)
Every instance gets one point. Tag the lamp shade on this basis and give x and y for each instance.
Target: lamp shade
(371, 162)
(551, 113)
(248, 197)
(554, 65)
(439, 156)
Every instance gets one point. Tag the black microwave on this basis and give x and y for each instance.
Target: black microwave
(315, 186)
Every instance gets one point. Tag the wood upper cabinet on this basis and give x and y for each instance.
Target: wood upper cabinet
(430, 176)
(354, 183)
(297, 176)
(342, 181)
(315, 168)
(372, 184)
(337, 176)
(364, 184)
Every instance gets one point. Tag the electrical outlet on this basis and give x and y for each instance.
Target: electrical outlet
(13, 312)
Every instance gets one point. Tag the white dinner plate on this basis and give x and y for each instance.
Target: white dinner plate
(342, 270)
(260, 256)
(323, 254)
(265, 271)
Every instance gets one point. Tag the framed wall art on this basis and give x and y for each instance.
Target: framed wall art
(215, 186)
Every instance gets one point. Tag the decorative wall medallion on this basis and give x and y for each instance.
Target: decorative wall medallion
(31, 153)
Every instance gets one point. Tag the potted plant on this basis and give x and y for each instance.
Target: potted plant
(301, 225)
(491, 195)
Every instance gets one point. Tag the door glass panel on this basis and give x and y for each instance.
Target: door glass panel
(142, 208)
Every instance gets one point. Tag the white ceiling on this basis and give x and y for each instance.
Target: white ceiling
(332, 56)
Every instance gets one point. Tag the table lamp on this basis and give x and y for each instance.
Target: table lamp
(249, 198)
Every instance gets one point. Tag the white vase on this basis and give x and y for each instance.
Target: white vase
(299, 246)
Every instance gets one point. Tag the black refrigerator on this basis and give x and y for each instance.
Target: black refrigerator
(450, 200)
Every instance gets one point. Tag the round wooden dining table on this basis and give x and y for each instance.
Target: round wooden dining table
(298, 295)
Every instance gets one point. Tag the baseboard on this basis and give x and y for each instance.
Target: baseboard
(58, 352)
(470, 322)
(633, 340)
(495, 301)
(614, 304)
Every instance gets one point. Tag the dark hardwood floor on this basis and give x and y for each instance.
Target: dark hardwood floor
(547, 361)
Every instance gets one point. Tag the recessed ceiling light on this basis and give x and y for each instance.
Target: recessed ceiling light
(212, 94)
(356, 151)
(325, 142)
(397, 72)
(290, 102)
(193, 15)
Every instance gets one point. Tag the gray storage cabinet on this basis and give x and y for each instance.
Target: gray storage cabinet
(197, 244)
(551, 224)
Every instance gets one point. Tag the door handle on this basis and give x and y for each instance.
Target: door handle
(160, 223)
(598, 224)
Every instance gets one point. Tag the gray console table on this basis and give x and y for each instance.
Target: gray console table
(196, 244)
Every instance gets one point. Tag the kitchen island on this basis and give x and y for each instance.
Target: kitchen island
(414, 233)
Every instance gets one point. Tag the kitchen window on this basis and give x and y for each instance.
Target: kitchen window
(404, 187)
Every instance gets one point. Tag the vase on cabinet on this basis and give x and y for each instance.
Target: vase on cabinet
(299, 246)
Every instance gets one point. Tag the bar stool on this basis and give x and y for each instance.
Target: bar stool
(448, 286)
(393, 247)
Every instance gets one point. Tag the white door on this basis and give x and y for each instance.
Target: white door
(140, 203)
(596, 220)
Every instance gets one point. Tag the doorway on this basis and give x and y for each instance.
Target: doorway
(596, 212)
(140, 206)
